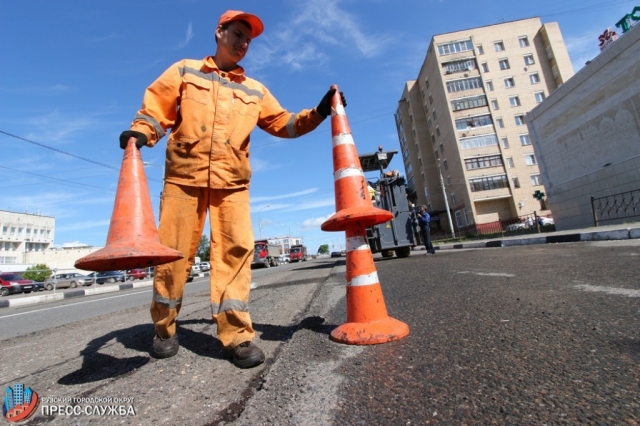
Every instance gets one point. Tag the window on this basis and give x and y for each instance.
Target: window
(509, 82)
(530, 159)
(523, 41)
(464, 84)
(499, 46)
(479, 49)
(433, 138)
(453, 199)
(534, 78)
(504, 64)
(448, 180)
(519, 120)
(455, 47)
(470, 102)
(426, 107)
(514, 101)
(477, 121)
(446, 165)
(483, 162)
(535, 180)
(436, 154)
(489, 86)
(435, 116)
(524, 140)
(426, 83)
(438, 130)
(428, 122)
(441, 148)
(459, 66)
(478, 141)
(516, 182)
(458, 215)
(430, 99)
(488, 183)
(485, 67)
(539, 96)
(505, 143)
(510, 162)
(494, 104)
(528, 60)
(500, 123)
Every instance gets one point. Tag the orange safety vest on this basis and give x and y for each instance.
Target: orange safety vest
(211, 114)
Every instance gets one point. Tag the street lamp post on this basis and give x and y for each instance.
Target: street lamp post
(260, 220)
(446, 202)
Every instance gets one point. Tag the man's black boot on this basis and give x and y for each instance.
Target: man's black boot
(165, 348)
(246, 355)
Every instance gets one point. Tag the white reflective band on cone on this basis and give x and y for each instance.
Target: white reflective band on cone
(357, 243)
(348, 172)
(338, 110)
(361, 280)
(343, 139)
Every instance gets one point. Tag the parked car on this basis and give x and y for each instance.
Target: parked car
(137, 274)
(108, 276)
(195, 269)
(543, 221)
(336, 254)
(71, 280)
(11, 283)
(284, 259)
(38, 286)
(204, 266)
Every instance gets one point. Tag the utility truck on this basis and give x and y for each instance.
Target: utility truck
(298, 253)
(395, 236)
(266, 254)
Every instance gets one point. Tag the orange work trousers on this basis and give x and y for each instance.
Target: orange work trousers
(182, 214)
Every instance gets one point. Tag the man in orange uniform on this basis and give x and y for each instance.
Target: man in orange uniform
(211, 107)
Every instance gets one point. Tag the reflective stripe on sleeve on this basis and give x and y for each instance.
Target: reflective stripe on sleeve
(361, 280)
(291, 128)
(348, 172)
(169, 303)
(343, 139)
(158, 128)
(357, 243)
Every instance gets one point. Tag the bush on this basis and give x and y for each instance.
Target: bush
(39, 272)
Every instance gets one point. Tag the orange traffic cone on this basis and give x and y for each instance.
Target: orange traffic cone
(367, 319)
(133, 240)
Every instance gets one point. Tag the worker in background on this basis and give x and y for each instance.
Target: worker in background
(424, 219)
(211, 107)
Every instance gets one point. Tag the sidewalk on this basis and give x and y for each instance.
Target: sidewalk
(601, 233)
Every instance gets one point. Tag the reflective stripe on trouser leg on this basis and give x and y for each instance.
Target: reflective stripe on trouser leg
(182, 218)
(231, 256)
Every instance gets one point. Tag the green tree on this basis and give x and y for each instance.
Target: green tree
(39, 272)
(323, 249)
(204, 248)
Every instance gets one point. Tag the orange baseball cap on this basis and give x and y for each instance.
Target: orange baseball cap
(237, 15)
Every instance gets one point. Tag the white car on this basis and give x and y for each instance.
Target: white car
(195, 269)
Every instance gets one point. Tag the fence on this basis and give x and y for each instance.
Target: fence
(616, 206)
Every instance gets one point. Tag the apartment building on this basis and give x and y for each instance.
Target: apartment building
(461, 123)
(23, 233)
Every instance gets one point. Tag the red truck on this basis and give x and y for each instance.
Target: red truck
(298, 253)
(266, 254)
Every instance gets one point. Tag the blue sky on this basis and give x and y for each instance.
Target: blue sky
(73, 74)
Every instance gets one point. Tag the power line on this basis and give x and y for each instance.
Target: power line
(61, 180)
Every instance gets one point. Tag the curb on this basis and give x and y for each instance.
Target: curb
(34, 300)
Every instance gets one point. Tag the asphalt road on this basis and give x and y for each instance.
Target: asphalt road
(529, 335)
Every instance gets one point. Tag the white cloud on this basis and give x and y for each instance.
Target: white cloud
(187, 37)
(300, 41)
(283, 196)
(80, 226)
(315, 222)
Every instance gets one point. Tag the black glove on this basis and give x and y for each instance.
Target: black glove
(141, 138)
(324, 107)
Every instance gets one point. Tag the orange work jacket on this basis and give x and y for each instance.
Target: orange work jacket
(211, 114)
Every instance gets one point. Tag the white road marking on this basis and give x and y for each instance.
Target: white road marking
(488, 274)
(610, 290)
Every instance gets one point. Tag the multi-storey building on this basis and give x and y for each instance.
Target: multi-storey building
(23, 233)
(461, 123)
